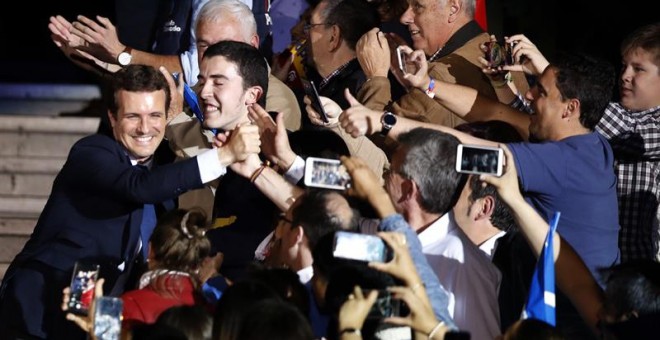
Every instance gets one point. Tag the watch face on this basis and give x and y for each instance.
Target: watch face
(124, 58)
(389, 119)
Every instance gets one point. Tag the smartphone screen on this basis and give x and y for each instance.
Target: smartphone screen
(360, 247)
(474, 159)
(313, 94)
(326, 173)
(82, 286)
(107, 317)
(385, 306)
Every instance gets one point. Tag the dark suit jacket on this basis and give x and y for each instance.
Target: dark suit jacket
(93, 213)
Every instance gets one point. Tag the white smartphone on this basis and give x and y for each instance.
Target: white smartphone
(326, 173)
(476, 159)
(107, 318)
(402, 58)
(360, 247)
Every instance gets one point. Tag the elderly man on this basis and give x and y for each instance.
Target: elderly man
(447, 33)
(101, 208)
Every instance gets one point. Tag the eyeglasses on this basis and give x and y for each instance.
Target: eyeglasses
(282, 217)
(309, 27)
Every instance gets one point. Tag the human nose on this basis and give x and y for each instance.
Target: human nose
(143, 126)
(407, 16)
(626, 74)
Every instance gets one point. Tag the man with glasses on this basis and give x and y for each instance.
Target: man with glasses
(333, 30)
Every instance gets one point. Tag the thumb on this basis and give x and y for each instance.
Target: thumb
(279, 120)
(349, 97)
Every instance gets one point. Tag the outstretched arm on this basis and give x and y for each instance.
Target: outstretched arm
(571, 274)
(100, 40)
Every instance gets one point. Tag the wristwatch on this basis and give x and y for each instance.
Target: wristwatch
(124, 58)
(388, 119)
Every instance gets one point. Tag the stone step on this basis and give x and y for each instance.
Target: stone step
(14, 232)
(47, 137)
(21, 207)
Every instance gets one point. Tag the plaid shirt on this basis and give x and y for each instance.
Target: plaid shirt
(635, 139)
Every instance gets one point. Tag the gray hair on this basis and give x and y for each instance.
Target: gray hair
(218, 10)
(430, 161)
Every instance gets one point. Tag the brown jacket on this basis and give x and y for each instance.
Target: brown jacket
(460, 67)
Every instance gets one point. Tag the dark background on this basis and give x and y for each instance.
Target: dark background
(29, 56)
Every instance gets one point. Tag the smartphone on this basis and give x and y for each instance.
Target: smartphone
(107, 318)
(360, 247)
(385, 306)
(326, 173)
(82, 286)
(313, 94)
(475, 159)
(494, 54)
(402, 58)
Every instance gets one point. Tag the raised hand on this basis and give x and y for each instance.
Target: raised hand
(527, 56)
(274, 136)
(507, 184)
(373, 53)
(243, 141)
(100, 38)
(401, 266)
(420, 78)
(332, 111)
(358, 120)
(421, 317)
(176, 93)
(355, 309)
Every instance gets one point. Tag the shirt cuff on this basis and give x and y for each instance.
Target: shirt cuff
(209, 164)
(296, 171)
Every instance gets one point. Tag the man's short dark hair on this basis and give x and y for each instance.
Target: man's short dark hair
(315, 217)
(588, 79)
(354, 18)
(138, 78)
(501, 217)
(251, 65)
(430, 162)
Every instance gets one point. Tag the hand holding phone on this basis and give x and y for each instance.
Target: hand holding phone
(82, 286)
(326, 173)
(360, 247)
(313, 94)
(402, 58)
(476, 159)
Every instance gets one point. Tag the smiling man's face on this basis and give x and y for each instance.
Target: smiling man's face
(139, 124)
(223, 99)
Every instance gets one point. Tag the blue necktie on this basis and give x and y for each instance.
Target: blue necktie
(147, 227)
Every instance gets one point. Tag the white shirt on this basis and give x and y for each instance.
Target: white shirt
(471, 280)
(305, 274)
(490, 245)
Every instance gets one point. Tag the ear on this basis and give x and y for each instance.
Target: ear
(254, 41)
(486, 206)
(455, 7)
(409, 190)
(253, 94)
(150, 253)
(298, 235)
(335, 38)
(572, 110)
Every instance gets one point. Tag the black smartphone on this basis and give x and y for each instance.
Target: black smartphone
(385, 306)
(82, 286)
(360, 247)
(313, 94)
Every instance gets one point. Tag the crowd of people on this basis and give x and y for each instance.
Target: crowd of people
(192, 201)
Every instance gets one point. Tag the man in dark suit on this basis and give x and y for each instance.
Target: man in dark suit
(95, 210)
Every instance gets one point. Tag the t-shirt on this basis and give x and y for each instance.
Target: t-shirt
(574, 176)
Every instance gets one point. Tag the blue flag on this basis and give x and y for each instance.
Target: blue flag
(541, 300)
